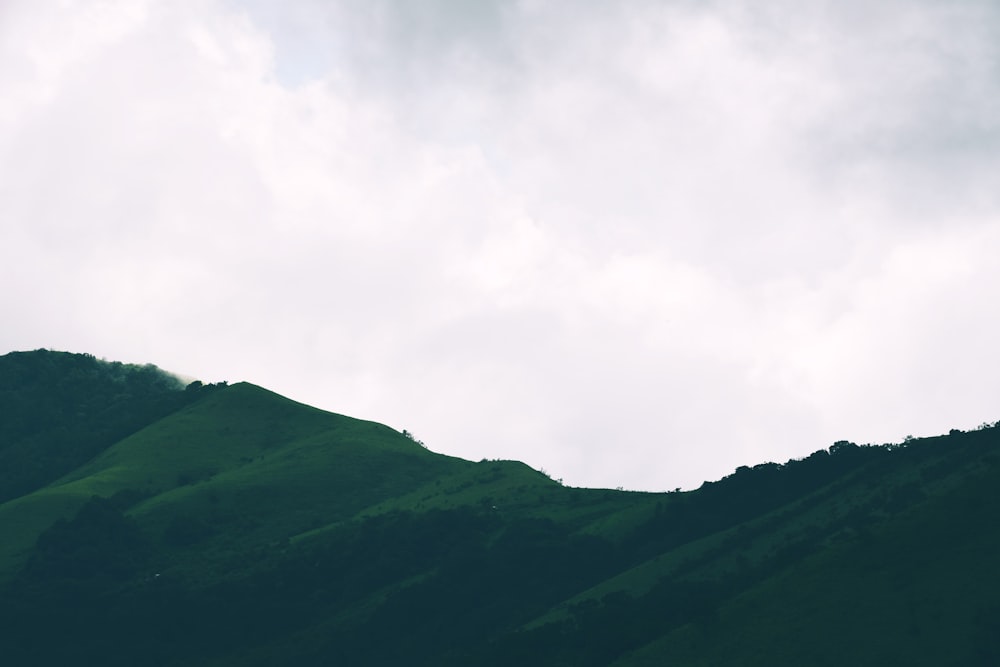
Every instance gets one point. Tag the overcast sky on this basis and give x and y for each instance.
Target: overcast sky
(634, 243)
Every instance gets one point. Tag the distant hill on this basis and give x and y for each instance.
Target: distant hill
(148, 522)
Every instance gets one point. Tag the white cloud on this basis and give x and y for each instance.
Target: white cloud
(637, 244)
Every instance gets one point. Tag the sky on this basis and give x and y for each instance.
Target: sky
(634, 243)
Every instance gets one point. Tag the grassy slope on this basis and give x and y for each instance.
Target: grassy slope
(240, 452)
(59, 410)
(515, 490)
(890, 589)
(243, 470)
(713, 556)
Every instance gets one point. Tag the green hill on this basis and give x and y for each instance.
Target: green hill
(61, 409)
(219, 525)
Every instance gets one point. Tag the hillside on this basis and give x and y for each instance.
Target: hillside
(61, 409)
(159, 524)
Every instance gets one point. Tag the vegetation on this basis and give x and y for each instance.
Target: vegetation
(226, 525)
(61, 409)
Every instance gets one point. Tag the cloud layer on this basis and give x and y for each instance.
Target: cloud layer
(635, 245)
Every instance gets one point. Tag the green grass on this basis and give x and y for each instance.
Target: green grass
(241, 452)
(516, 491)
(822, 515)
(890, 592)
(247, 493)
(24, 518)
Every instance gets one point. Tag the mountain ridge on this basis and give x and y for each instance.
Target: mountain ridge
(238, 527)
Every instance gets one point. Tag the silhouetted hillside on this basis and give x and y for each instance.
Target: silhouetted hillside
(230, 526)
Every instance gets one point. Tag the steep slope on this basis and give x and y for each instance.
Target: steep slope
(240, 456)
(57, 410)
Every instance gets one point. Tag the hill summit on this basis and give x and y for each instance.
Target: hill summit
(148, 521)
